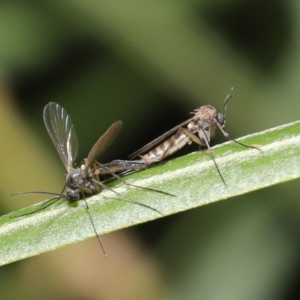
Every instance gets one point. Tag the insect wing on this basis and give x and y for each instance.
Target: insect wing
(158, 140)
(103, 142)
(61, 130)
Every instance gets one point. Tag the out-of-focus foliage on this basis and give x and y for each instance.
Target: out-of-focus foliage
(150, 64)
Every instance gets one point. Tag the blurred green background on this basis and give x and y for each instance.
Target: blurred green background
(150, 63)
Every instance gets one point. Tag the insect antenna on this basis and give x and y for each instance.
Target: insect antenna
(51, 201)
(227, 98)
(46, 204)
(225, 133)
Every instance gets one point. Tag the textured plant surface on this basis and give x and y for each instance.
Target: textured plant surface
(192, 179)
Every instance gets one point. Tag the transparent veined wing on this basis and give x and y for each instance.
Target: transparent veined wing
(158, 140)
(61, 130)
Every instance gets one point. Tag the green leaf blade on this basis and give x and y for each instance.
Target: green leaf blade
(193, 180)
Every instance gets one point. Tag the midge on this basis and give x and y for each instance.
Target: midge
(84, 180)
(203, 123)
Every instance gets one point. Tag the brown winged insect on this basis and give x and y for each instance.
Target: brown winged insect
(84, 180)
(203, 123)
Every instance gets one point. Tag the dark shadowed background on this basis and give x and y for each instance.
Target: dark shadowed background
(150, 63)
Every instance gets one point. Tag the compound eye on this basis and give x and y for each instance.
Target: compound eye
(221, 119)
(72, 194)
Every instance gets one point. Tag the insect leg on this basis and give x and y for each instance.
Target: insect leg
(124, 198)
(226, 134)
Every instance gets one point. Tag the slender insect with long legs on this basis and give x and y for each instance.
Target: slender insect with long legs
(84, 180)
(203, 123)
